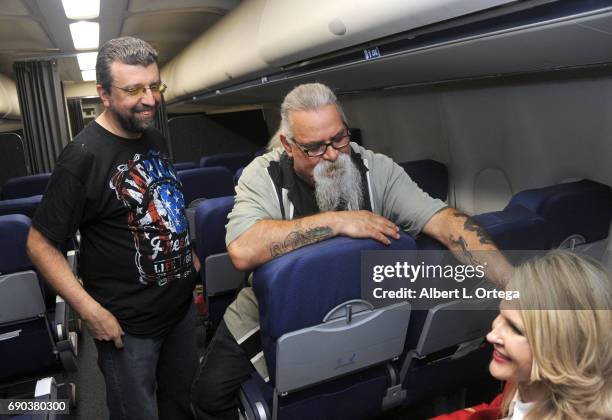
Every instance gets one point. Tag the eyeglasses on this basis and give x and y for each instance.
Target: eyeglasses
(140, 91)
(319, 148)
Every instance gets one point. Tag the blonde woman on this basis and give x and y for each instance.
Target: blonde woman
(553, 347)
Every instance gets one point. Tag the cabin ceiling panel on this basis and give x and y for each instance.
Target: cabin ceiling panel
(153, 5)
(23, 35)
(14, 7)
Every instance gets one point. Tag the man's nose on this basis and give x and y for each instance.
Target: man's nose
(148, 98)
(330, 154)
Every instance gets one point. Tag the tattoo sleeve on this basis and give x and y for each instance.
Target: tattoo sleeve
(472, 226)
(300, 238)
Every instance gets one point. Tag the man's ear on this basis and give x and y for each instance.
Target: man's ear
(104, 95)
(286, 144)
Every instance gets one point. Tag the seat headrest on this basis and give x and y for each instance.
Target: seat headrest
(182, 166)
(14, 231)
(26, 206)
(25, 186)
(517, 228)
(210, 221)
(575, 208)
(206, 183)
(231, 161)
(430, 175)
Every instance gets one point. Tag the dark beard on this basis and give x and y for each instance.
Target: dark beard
(130, 123)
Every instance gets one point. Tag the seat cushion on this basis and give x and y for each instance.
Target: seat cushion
(583, 208)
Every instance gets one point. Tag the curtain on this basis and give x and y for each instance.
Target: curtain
(75, 115)
(161, 123)
(41, 100)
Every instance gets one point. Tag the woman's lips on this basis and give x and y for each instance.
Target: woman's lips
(499, 358)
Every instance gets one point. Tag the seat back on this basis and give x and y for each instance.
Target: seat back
(231, 161)
(27, 338)
(206, 183)
(327, 350)
(25, 186)
(430, 175)
(219, 277)
(580, 211)
(298, 290)
(14, 230)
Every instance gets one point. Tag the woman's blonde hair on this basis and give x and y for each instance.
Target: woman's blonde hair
(565, 302)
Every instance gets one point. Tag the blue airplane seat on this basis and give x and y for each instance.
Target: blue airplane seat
(231, 161)
(238, 174)
(580, 212)
(25, 186)
(36, 339)
(25, 205)
(517, 228)
(181, 166)
(206, 183)
(219, 277)
(201, 184)
(327, 350)
(430, 175)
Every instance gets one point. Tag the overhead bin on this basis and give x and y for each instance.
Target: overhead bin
(9, 103)
(260, 34)
(291, 31)
(515, 39)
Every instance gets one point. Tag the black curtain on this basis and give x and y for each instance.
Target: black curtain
(161, 123)
(43, 112)
(75, 114)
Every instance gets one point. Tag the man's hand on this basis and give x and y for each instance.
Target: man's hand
(365, 224)
(268, 239)
(103, 325)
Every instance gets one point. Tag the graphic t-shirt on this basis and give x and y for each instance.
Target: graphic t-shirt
(125, 198)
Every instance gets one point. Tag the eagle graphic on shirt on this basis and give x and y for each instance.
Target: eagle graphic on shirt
(149, 188)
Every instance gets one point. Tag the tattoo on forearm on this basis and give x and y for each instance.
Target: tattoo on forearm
(465, 252)
(472, 226)
(300, 238)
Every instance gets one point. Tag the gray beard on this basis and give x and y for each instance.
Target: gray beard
(338, 184)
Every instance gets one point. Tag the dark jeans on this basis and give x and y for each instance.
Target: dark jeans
(149, 367)
(225, 366)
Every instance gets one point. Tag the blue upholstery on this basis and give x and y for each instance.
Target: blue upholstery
(26, 206)
(14, 231)
(181, 166)
(31, 341)
(231, 161)
(516, 228)
(238, 174)
(210, 221)
(298, 289)
(206, 183)
(25, 186)
(430, 175)
(582, 207)
(357, 396)
(211, 218)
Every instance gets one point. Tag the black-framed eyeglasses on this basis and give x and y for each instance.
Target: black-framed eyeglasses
(140, 91)
(339, 141)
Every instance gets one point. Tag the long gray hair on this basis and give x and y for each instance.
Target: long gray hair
(306, 97)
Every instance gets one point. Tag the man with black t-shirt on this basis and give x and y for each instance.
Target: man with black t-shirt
(116, 185)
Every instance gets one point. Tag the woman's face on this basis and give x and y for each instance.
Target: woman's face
(512, 357)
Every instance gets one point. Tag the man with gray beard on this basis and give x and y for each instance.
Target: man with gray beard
(317, 186)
